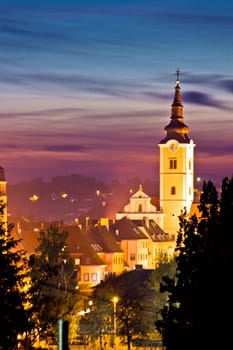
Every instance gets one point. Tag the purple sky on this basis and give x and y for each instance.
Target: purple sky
(86, 86)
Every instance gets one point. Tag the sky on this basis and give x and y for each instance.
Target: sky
(86, 87)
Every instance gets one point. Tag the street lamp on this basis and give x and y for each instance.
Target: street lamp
(114, 300)
(34, 198)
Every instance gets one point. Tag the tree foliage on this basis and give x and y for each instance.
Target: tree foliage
(135, 309)
(13, 314)
(199, 306)
(97, 324)
(164, 268)
(53, 281)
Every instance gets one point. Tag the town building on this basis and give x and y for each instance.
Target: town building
(148, 221)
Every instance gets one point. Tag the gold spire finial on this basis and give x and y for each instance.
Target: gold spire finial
(177, 76)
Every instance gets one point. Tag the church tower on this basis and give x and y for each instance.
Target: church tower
(176, 167)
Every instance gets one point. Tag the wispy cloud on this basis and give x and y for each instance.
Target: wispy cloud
(227, 84)
(73, 82)
(64, 148)
(42, 112)
(202, 99)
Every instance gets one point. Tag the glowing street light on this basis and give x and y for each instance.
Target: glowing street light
(34, 198)
(114, 300)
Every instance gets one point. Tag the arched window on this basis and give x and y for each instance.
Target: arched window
(140, 208)
(173, 190)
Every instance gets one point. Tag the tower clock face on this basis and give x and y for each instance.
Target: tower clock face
(173, 145)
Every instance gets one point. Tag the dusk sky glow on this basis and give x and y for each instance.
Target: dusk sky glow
(86, 87)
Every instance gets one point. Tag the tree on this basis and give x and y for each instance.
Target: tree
(97, 323)
(13, 315)
(53, 281)
(135, 309)
(163, 268)
(199, 305)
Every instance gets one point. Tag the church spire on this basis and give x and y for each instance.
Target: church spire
(177, 107)
(176, 129)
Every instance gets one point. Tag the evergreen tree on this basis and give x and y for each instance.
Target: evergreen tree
(53, 281)
(13, 264)
(199, 305)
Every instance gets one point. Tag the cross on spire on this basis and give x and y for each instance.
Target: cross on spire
(178, 76)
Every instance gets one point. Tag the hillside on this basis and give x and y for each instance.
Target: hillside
(68, 197)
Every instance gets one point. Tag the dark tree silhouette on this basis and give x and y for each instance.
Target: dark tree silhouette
(13, 314)
(199, 306)
(53, 281)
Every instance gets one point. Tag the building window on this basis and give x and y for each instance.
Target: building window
(94, 277)
(86, 277)
(140, 208)
(173, 190)
(132, 257)
(77, 261)
(173, 163)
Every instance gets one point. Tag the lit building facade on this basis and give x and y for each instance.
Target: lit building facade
(140, 207)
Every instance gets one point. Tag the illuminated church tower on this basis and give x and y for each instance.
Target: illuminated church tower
(176, 167)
